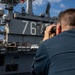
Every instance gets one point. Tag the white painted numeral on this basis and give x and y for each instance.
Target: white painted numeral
(26, 23)
(32, 28)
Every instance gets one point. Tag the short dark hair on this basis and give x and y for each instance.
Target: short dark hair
(67, 17)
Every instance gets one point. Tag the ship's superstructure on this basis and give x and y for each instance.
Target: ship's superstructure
(22, 34)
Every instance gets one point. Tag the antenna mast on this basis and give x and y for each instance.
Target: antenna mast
(29, 7)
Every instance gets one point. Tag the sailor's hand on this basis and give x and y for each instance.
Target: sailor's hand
(47, 33)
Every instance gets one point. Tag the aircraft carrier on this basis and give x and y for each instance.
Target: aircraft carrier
(22, 35)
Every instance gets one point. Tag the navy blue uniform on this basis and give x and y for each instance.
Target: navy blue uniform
(56, 56)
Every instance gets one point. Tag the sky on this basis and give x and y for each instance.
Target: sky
(39, 6)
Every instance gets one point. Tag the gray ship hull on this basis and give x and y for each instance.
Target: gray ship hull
(16, 63)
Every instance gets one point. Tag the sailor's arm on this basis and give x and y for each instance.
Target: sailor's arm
(47, 33)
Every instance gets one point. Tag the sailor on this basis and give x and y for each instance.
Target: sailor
(56, 55)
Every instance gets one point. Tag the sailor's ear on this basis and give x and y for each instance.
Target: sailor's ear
(58, 29)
